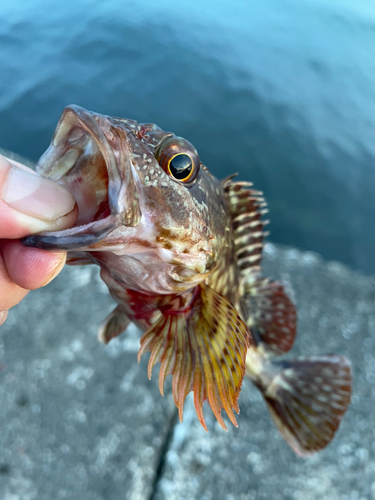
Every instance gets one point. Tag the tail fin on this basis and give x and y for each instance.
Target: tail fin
(307, 399)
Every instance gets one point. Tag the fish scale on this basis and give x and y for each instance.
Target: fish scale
(180, 252)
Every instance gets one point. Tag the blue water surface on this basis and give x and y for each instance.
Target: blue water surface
(281, 92)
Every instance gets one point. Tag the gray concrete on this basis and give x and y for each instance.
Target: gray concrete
(81, 420)
(336, 314)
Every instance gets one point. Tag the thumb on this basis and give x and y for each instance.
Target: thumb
(30, 204)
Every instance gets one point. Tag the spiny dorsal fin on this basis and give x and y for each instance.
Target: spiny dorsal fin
(307, 399)
(246, 206)
(273, 317)
(271, 314)
(204, 347)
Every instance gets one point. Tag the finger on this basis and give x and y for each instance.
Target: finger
(31, 268)
(10, 292)
(17, 164)
(30, 204)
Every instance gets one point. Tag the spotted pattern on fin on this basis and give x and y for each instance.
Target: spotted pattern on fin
(269, 312)
(247, 206)
(225, 279)
(204, 347)
(307, 400)
(273, 316)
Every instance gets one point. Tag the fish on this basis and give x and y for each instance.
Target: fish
(180, 252)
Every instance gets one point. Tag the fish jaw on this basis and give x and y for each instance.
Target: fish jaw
(88, 156)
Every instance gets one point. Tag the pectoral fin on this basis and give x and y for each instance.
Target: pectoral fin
(113, 326)
(204, 347)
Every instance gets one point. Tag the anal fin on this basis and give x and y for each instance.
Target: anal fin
(307, 399)
(204, 347)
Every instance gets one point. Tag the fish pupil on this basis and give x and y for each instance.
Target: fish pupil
(181, 166)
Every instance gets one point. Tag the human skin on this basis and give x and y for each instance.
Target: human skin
(28, 205)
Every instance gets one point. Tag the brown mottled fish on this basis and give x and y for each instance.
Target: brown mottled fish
(180, 252)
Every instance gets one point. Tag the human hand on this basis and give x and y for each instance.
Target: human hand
(28, 204)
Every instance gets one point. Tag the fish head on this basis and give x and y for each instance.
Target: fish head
(138, 189)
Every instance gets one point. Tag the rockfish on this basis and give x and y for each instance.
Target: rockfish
(180, 252)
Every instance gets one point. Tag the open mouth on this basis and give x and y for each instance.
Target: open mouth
(82, 171)
(81, 159)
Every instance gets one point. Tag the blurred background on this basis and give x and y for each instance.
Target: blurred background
(281, 92)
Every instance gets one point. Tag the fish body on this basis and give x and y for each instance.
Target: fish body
(180, 252)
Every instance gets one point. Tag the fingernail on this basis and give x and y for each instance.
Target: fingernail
(35, 196)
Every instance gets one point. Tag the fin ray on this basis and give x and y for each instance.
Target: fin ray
(204, 347)
(307, 399)
(246, 207)
(113, 325)
(273, 316)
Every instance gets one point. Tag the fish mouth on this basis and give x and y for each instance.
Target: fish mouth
(87, 156)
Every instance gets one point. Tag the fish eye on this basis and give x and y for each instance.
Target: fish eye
(178, 158)
(181, 166)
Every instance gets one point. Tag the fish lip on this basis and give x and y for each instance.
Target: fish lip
(83, 236)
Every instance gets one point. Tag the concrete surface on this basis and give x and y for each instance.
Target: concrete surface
(336, 309)
(80, 420)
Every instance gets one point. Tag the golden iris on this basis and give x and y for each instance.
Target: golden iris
(178, 158)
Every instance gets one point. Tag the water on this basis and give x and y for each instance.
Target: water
(281, 92)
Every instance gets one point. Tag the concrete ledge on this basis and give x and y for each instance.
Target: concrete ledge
(81, 420)
(336, 314)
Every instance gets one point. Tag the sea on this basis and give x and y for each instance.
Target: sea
(282, 92)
